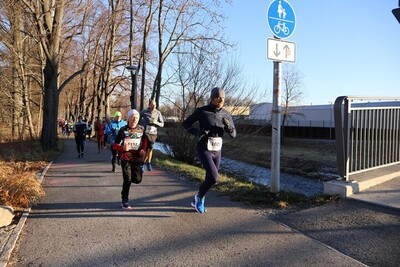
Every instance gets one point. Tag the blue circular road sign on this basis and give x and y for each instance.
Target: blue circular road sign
(281, 18)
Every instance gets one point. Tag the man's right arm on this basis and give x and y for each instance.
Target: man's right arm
(189, 121)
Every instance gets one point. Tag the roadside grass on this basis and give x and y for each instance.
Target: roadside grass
(20, 163)
(306, 157)
(240, 189)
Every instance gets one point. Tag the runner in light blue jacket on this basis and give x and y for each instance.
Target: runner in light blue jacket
(112, 131)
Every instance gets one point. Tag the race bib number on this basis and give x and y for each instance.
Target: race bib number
(132, 143)
(151, 129)
(214, 144)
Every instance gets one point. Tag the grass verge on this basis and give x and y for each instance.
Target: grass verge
(239, 189)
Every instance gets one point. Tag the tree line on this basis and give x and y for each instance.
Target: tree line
(63, 58)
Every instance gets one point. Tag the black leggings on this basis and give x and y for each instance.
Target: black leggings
(80, 144)
(115, 156)
(131, 173)
(211, 161)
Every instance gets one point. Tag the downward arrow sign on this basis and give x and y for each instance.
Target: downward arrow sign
(276, 52)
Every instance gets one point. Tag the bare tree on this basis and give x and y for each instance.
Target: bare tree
(21, 50)
(47, 17)
(292, 93)
(144, 48)
(194, 74)
(185, 22)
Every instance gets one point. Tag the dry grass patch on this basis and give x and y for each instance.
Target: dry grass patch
(19, 185)
(20, 163)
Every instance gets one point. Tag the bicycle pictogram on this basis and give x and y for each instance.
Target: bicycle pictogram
(281, 19)
(281, 26)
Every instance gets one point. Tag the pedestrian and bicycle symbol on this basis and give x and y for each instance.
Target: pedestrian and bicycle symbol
(281, 18)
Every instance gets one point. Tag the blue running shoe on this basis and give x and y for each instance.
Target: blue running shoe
(149, 167)
(198, 204)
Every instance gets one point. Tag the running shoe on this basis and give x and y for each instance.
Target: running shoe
(142, 169)
(113, 168)
(149, 167)
(125, 206)
(198, 204)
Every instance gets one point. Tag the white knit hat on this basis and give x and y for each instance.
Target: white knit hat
(133, 112)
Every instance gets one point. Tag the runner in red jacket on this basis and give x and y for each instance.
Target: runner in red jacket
(131, 142)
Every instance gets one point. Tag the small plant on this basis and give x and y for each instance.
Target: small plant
(181, 145)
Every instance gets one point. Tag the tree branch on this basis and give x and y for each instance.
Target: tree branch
(62, 86)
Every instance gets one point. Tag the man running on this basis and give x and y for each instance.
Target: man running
(150, 119)
(213, 121)
(79, 130)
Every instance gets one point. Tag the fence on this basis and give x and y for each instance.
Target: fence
(367, 134)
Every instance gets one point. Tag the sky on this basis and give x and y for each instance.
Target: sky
(343, 47)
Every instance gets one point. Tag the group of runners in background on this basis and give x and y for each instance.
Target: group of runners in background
(132, 142)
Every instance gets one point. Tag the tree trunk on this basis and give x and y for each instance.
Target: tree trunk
(28, 112)
(49, 137)
(17, 116)
(143, 52)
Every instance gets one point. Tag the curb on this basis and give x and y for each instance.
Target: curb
(14, 234)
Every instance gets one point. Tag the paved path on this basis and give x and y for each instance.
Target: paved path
(80, 223)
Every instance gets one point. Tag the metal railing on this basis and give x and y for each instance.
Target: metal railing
(367, 133)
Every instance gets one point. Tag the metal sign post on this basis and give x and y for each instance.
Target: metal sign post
(276, 129)
(281, 21)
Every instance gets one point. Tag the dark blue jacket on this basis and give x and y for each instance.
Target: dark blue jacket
(210, 121)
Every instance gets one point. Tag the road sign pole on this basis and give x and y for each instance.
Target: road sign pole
(281, 21)
(276, 129)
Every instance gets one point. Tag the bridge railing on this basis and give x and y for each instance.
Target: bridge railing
(367, 133)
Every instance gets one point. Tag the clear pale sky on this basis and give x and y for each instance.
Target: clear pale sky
(343, 47)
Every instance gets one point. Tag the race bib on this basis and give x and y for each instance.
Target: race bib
(151, 129)
(214, 144)
(132, 143)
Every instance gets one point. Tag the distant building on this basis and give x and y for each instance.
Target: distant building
(238, 111)
(310, 116)
(260, 111)
(306, 116)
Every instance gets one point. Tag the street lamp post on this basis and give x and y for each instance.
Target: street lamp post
(134, 71)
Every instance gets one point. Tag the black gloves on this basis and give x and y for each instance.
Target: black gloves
(201, 135)
(227, 125)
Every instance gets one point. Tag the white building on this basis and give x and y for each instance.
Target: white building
(260, 112)
(314, 115)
